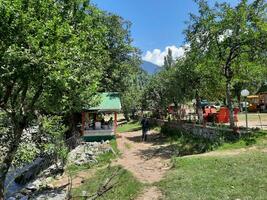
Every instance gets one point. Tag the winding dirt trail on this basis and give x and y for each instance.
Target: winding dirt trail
(145, 160)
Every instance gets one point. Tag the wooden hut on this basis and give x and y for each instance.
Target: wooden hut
(100, 122)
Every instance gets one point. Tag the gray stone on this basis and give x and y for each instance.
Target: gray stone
(11, 198)
(25, 191)
(24, 198)
(87, 152)
(52, 195)
(18, 195)
(32, 187)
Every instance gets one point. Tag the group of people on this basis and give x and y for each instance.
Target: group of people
(109, 122)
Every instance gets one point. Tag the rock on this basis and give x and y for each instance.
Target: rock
(32, 187)
(11, 198)
(84, 193)
(35, 185)
(25, 192)
(108, 150)
(51, 195)
(87, 152)
(24, 198)
(19, 196)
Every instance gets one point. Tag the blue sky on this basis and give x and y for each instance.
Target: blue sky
(156, 24)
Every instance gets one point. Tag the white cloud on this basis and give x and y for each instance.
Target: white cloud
(157, 56)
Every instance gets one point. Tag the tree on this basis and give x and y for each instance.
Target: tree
(168, 59)
(50, 53)
(230, 42)
(131, 97)
(123, 59)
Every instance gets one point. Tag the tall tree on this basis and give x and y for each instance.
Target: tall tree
(51, 53)
(131, 97)
(168, 59)
(123, 59)
(230, 41)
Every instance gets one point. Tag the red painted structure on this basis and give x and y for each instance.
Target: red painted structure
(222, 116)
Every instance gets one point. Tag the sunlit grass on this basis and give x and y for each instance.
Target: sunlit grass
(129, 127)
(242, 176)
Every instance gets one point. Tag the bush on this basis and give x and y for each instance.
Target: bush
(187, 143)
(169, 131)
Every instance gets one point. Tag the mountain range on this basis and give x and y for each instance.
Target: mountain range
(149, 67)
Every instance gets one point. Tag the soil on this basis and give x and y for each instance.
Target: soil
(145, 160)
(77, 181)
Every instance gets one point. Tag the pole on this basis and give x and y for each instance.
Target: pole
(246, 112)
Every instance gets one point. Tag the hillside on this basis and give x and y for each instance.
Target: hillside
(149, 67)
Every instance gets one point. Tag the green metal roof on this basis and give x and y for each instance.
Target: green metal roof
(109, 101)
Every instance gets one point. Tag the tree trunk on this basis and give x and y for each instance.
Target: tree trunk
(229, 103)
(71, 123)
(126, 116)
(17, 133)
(199, 110)
(1, 190)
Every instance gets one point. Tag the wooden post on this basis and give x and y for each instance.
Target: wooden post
(115, 121)
(83, 123)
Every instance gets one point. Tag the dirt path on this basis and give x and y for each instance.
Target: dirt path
(144, 160)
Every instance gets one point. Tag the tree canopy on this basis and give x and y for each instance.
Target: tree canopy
(55, 56)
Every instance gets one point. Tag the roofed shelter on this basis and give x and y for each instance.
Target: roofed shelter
(100, 122)
(263, 96)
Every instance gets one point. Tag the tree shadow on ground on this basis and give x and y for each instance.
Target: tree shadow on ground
(168, 151)
(162, 147)
(153, 138)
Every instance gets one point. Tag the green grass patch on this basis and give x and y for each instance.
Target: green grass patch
(206, 178)
(129, 127)
(258, 139)
(187, 144)
(125, 185)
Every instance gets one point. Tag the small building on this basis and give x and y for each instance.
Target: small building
(263, 97)
(253, 101)
(100, 122)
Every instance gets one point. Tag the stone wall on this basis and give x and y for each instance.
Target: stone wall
(209, 132)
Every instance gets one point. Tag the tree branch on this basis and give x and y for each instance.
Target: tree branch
(36, 97)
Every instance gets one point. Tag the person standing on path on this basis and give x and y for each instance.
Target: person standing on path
(145, 128)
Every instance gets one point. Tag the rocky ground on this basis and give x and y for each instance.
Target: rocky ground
(42, 189)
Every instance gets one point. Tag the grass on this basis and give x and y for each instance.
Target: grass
(187, 144)
(233, 177)
(126, 186)
(242, 176)
(129, 127)
(258, 139)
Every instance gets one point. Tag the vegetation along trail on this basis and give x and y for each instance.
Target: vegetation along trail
(144, 160)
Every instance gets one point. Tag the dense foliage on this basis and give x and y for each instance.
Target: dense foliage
(55, 56)
(226, 52)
